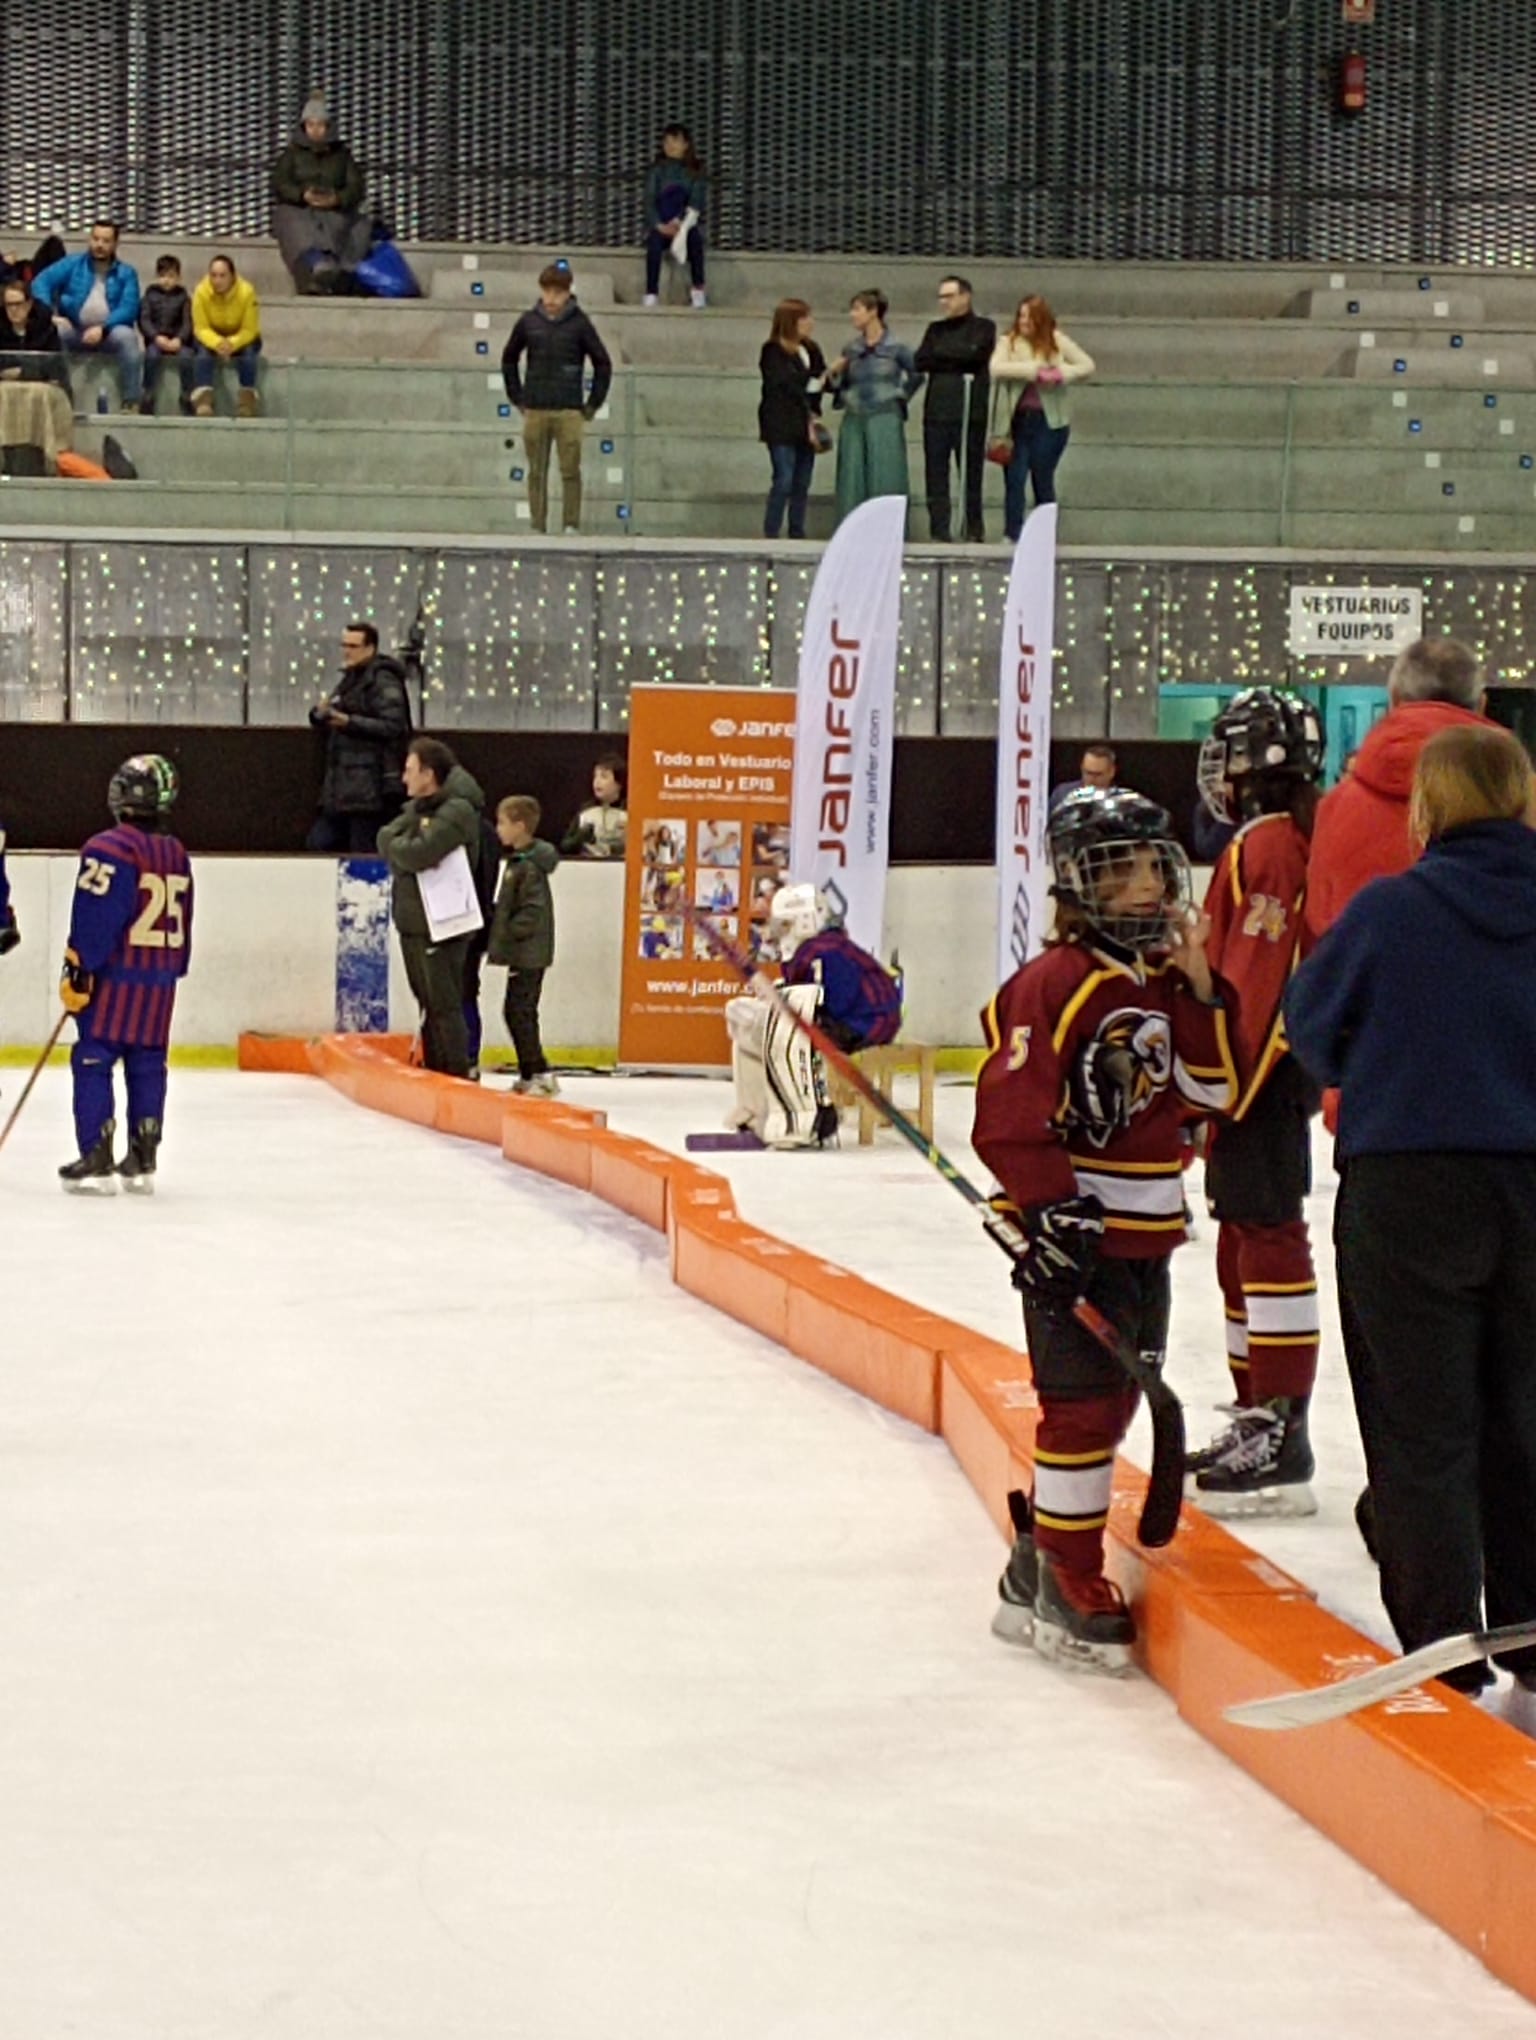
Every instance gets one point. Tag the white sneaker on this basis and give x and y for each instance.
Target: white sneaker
(544, 1086)
(698, 300)
(651, 298)
(570, 531)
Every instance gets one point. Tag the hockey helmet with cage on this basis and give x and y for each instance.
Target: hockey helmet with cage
(143, 789)
(1262, 742)
(796, 914)
(1094, 838)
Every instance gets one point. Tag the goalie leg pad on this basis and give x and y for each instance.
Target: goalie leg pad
(745, 1020)
(793, 1071)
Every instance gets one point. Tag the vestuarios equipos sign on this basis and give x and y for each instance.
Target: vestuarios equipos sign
(1354, 623)
(708, 795)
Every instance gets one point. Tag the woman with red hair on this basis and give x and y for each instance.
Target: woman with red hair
(1036, 353)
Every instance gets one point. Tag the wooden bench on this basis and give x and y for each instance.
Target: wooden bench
(882, 1066)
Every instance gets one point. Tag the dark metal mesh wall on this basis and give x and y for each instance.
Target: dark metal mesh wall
(1153, 129)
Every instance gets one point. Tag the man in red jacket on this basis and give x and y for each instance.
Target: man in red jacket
(1361, 833)
(1362, 826)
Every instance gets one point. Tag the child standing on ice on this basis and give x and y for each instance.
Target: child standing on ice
(1097, 1049)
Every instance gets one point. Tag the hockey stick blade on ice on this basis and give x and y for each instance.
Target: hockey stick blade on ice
(1165, 1484)
(1313, 1705)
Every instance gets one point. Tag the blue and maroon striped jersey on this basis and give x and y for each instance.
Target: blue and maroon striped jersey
(132, 928)
(859, 996)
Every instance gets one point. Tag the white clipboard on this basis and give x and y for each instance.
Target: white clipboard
(449, 899)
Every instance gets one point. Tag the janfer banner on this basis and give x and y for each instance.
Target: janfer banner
(1024, 745)
(847, 716)
(709, 780)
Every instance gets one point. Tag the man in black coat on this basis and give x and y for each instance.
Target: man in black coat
(559, 341)
(955, 419)
(367, 720)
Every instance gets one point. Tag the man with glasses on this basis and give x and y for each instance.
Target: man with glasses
(956, 357)
(366, 720)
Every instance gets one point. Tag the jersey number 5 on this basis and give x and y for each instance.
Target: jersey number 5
(162, 920)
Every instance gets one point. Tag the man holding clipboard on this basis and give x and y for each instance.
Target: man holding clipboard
(431, 848)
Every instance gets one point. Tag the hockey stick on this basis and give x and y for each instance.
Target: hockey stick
(1314, 1704)
(37, 1070)
(1165, 1484)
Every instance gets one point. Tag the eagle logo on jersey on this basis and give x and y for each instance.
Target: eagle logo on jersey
(1121, 1071)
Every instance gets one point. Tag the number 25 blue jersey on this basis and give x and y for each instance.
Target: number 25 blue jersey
(132, 929)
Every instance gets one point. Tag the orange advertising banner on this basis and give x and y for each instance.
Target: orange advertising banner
(708, 790)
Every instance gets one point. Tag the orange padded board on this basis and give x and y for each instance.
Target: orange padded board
(1409, 1788)
(632, 1176)
(470, 1111)
(551, 1138)
(867, 1338)
(1509, 1945)
(988, 1414)
(741, 1271)
(274, 1052)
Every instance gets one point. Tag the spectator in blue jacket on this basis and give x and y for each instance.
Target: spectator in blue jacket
(94, 299)
(1420, 1005)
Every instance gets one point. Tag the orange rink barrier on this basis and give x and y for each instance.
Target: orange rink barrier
(1434, 1796)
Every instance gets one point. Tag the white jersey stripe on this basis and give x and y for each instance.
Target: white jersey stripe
(1141, 1196)
(1073, 1490)
(1268, 1315)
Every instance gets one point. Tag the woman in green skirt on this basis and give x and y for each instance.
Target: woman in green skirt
(875, 381)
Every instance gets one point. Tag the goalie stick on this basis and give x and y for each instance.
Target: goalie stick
(1311, 1705)
(1165, 1483)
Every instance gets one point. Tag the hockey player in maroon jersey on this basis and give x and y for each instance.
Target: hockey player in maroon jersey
(130, 940)
(1259, 768)
(1097, 1049)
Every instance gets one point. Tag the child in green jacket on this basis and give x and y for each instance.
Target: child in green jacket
(523, 935)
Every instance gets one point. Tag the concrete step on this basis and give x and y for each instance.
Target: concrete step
(1390, 307)
(509, 290)
(1363, 480)
(1482, 361)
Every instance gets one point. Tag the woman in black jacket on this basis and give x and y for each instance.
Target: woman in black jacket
(793, 373)
(1420, 1004)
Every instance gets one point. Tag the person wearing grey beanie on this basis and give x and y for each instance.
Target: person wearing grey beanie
(317, 196)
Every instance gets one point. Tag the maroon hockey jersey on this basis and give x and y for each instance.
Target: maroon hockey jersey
(1026, 1130)
(1257, 902)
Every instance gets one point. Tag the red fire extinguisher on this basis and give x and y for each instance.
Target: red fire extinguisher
(1352, 82)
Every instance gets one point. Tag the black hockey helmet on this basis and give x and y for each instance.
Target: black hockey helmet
(143, 789)
(1263, 741)
(1093, 837)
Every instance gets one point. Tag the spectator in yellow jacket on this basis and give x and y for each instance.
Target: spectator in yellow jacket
(226, 326)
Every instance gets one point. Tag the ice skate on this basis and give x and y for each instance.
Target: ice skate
(93, 1175)
(1203, 1457)
(1019, 1585)
(1263, 1464)
(1081, 1620)
(137, 1168)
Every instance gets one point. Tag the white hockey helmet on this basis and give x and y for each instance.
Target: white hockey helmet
(797, 913)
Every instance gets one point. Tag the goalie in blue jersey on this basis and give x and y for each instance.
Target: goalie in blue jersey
(781, 1092)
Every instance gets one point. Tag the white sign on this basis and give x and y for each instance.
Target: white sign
(1354, 623)
(845, 717)
(1024, 745)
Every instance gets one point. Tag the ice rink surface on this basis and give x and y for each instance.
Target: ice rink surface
(418, 1620)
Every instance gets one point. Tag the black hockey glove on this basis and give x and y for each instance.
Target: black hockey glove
(1063, 1243)
(10, 934)
(1101, 1087)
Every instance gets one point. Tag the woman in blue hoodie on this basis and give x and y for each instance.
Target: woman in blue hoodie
(1420, 1005)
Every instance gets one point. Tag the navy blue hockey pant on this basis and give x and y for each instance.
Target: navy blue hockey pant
(93, 1063)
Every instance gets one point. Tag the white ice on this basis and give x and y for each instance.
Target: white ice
(421, 1622)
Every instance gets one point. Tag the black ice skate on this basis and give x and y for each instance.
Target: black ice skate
(1261, 1466)
(93, 1175)
(137, 1168)
(1014, 1621)
(1082, 1620)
